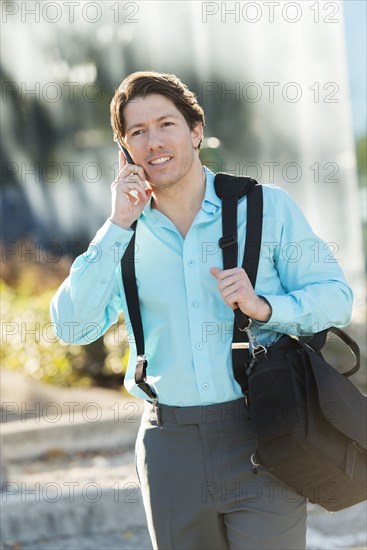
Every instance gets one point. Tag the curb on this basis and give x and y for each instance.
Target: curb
(30, 514)
(92, 428)
(74, 514)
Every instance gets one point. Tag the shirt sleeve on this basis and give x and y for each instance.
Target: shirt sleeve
(88, 302)
(315, 293)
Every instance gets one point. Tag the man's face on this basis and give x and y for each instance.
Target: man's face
(155, 130)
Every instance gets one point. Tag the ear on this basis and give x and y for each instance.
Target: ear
(197, 134)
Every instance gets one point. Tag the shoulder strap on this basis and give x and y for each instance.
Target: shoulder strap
(317, 341)
(230, 189)
(132, 300)
(250, 264)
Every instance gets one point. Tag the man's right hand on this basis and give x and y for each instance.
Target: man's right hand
(126, 208)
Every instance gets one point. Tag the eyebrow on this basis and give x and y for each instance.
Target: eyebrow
(138, 124)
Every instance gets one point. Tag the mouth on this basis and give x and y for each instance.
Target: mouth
(161, 161)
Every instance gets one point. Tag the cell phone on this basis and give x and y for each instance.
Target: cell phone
(126, 152)
(128, 158)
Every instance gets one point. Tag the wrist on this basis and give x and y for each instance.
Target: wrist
(264, 311)
(119, 223)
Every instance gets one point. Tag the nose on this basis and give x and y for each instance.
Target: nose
(154, 140)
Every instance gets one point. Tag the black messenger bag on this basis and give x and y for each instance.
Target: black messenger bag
(310, 420)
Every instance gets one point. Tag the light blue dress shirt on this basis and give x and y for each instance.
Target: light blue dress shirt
(188, 327)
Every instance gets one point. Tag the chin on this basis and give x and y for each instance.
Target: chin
(162, 181)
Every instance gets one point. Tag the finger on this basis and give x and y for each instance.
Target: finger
(131, 178)
(235, 274)
(234, 299)
(128, 187)
(235, 288)
(128, 184)
(224, 273)
(125, 178)
(236, 280)
(215, 271)
(135, 169)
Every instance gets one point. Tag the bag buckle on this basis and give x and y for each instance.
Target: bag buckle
(227, 240)
(242, 327)
(142, 359)
(255, 462)
(240, 345)
(257, 349)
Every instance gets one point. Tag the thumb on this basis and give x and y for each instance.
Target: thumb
(148, 194)
(214, 271)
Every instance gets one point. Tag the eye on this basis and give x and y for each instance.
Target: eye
(136, 133)
(168, 122)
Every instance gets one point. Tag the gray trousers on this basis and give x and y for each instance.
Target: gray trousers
(198, 485)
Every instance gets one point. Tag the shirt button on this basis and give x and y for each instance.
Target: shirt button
(195, 303)
(199, 346)
(103, 281)
(205, 386)
(191, 262)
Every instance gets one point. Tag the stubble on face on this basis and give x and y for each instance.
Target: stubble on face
(172, 177)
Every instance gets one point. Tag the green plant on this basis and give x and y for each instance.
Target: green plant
(29, 343)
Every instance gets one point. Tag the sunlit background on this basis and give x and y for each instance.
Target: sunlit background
(284, 96)
(283, 89)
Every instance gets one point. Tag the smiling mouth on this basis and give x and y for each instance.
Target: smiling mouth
(160, 162)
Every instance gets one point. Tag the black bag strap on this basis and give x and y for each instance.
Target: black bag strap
(132, 299)
(230, 189)
(317, 341)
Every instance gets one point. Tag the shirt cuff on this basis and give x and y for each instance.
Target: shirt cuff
(282, 313)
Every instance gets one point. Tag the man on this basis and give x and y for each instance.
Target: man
(193, 458)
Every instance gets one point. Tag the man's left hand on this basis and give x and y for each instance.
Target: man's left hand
(237, 291)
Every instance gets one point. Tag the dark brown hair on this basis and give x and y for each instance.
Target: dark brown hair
(143, 83)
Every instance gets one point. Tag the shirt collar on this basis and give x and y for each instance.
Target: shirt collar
(211, 202)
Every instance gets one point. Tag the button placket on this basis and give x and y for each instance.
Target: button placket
(191, 255)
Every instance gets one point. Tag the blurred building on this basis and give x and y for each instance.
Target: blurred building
(271, 78)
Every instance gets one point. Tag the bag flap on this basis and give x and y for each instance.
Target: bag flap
(342, 404)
